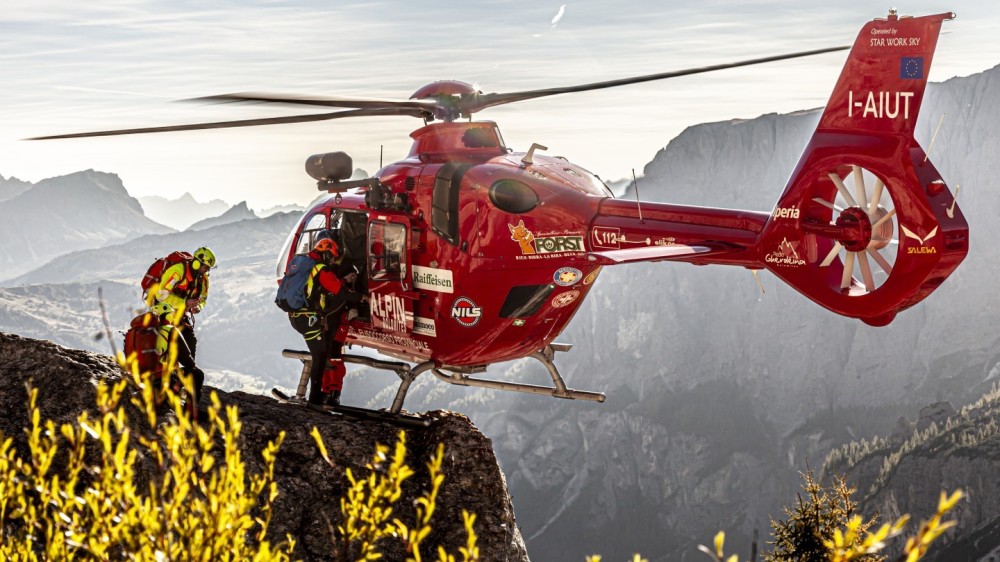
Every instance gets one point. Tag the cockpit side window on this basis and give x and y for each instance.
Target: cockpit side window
(313, 226)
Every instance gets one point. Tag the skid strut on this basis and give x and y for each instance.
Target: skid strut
(406, 373)
(460, 376)
(455, 375)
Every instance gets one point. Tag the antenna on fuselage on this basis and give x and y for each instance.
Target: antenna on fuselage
(934, 137)
(381, 149)
(638, 203)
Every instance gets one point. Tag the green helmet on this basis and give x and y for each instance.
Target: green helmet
(205, 256)
(161, 308)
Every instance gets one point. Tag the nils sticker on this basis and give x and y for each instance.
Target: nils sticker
(466, 312)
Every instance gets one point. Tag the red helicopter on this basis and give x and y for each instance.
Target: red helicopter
(473, 254)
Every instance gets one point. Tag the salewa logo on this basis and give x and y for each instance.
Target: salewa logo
(909, 234)
(923, 248)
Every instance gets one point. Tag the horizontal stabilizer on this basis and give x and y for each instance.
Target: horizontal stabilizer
(645, 253)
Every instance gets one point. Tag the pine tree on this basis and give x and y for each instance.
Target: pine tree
(799, 538)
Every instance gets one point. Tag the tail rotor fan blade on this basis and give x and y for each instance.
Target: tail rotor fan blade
(833, 253)
(845, 280)
(843, 189)
(881, 261)
(866, 272)
(859, 186)
(873, 204)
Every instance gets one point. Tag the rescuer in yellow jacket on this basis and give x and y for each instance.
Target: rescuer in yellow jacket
(184, 287)
(174, 353)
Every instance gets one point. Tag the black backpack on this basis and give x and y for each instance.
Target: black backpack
(292, 289)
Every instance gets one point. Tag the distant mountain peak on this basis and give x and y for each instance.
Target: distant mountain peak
(236, 213)
(182, 212)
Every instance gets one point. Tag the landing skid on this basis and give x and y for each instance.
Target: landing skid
(407, 420)
(453, 375)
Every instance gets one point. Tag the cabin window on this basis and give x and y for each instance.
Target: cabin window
(313, 226)
(352, 227)
(386, 251)
(513, 196)
(444, 204)
(479, 137)
(525, 300)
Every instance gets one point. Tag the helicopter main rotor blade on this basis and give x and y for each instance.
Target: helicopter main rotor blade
(356, 103)
(241, 123)
(482, 101)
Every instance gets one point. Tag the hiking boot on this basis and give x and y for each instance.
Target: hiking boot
(333, 399)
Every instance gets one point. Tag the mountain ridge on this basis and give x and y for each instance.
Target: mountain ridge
(182, 212)
(66, 214)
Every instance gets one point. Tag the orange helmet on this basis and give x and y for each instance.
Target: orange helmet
(326, 241)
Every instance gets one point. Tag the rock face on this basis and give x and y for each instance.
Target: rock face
(309, 489)
(946, 450)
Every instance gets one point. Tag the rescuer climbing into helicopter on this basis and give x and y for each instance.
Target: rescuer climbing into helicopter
(315, 297)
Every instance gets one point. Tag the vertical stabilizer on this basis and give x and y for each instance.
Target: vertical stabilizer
(881, 87)
(866, 226)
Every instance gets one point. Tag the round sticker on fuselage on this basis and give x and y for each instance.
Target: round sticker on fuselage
(566, 276)
(466, 312)
(563, 299)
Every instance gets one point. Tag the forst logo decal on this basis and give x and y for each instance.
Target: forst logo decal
(554, 244)
(466, 312)
(532, 245)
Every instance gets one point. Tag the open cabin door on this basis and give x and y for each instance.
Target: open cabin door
(390, 288)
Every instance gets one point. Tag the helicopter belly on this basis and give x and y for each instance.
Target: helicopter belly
(505, 313)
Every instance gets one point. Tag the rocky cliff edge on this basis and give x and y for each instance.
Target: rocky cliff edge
(308, 507)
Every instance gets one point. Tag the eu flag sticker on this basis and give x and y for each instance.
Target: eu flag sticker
(911, 68)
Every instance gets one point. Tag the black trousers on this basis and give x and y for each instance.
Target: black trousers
(187, 343)
(322, 347)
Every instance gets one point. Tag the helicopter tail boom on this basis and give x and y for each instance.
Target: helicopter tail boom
(866, 226)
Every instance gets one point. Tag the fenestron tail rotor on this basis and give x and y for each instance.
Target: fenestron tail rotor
(865, 219)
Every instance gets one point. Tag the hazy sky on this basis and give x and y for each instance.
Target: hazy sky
(79, 66)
